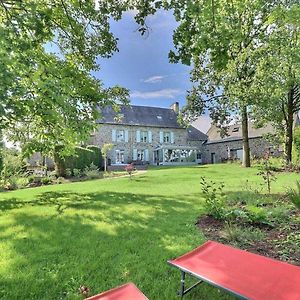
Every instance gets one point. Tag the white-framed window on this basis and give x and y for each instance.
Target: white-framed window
(120, 154)
(141, 155)
(167, 137)
(120, 134)
(144, 136)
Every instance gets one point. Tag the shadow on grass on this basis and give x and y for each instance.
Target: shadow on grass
(61, 240)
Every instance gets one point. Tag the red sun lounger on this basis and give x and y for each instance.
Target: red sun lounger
(244, 274)
(124, 292)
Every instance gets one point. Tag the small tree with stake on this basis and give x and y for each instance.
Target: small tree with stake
(266, 172)
(105, 150)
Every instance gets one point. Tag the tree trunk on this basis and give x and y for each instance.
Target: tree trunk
(1, 153)
(245, 135)
(60, 167)
(289, 127)
(105, 164)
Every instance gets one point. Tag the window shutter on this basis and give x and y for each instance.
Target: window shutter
(161, 137)
(172, 137)
(138, 136)
(126, 136)
(146, 155)
(150, 136)
(114, 135)
(134, 154)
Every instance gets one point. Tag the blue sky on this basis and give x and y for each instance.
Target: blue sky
(142, 64)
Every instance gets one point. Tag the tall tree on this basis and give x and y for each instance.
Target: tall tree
(277, 80)
(48, 50)
(219, 39)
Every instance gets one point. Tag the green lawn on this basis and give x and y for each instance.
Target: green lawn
(104, 233)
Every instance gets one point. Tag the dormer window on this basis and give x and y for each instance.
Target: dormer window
(235, 129)
(159, 117)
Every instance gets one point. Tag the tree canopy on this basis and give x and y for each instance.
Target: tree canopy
(48, 50)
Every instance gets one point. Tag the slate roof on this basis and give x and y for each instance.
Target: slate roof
(195, 135)
(235, 132)
(140, 116)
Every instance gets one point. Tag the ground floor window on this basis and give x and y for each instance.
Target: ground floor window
(179, 155)
(141, 155)
(120, 154)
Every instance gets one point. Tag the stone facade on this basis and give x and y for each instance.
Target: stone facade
(219, 151)
(132, 145)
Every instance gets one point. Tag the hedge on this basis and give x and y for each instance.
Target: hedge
(82, 158)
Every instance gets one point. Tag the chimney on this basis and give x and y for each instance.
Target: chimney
(175, 107)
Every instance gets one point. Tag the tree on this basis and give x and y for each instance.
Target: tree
(220, 40)
(277, 79)
(105, 150)
(48, 50)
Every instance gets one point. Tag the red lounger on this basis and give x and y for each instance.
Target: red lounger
(124, 292)
(244, 274)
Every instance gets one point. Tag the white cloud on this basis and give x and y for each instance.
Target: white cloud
(164, 93)
(154, 79)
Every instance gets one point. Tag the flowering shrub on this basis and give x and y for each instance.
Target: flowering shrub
(129, 169)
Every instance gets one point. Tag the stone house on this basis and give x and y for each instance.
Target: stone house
(148, 135)
(218, 149)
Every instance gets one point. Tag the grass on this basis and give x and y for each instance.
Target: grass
(104, 233)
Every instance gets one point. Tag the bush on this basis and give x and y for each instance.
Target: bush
(22, 182)
(214, 198)
(46, 180)
(77, 173)
(82, 158)
(92, 172)
(294, 195)
(129, 169)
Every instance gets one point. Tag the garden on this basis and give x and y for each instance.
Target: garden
(59, 240)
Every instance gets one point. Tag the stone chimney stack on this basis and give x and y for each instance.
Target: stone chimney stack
(175, 107)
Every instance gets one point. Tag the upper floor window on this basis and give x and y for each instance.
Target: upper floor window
(144, 136)
(167, 137)
(120, 135)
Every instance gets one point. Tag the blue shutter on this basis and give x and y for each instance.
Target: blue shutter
(126, 136)
(150, 136)
(146, 153)
(138, 136)
(134, 154)
(161, 137)
(172, 137)
(114, 135)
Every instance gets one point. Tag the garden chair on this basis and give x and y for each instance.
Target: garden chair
(124, 292)
(244, 274)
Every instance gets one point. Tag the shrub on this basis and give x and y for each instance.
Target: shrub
(77, 173)
(214, 198)
(82, 158)
(294, 194)
(46, 180)
(92, 172)
(129, 169)
(22, 182)
(60, 180)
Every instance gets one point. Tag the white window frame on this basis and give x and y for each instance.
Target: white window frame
(120, 135)
(120, 156)
(167, 137)
(144, 137)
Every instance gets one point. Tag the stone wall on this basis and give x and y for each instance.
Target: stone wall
(104, 135)
(258, 146)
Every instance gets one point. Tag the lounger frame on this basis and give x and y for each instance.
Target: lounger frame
(202, 279)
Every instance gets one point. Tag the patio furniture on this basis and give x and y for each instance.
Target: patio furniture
(244, 274)
(124, 292)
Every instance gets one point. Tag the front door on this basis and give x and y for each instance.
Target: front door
(213, 158)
